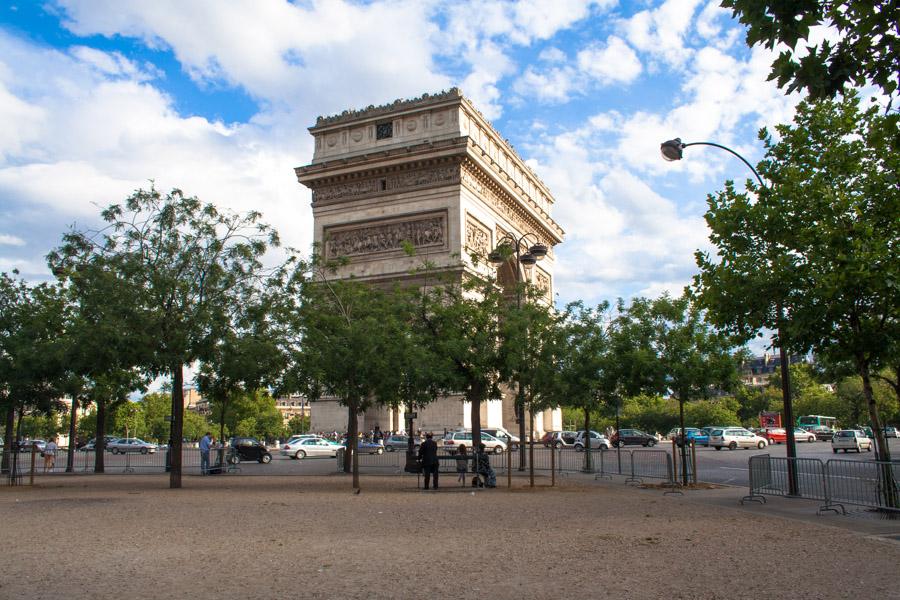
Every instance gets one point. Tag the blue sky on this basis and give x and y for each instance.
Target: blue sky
(98, 97)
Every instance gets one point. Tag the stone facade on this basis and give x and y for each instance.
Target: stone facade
(433, 173)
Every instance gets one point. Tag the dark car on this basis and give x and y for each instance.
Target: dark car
(632, 437)
(244, 448)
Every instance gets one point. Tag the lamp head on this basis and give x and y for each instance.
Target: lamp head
(672, 149)
(539, 251)
(528, 259)
(496, 257)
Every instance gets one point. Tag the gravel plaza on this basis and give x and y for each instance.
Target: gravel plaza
(312, 537)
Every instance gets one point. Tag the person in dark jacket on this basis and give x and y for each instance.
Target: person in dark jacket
(428, 456)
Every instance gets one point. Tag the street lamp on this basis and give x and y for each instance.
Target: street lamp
(671, 151)
(507, 244)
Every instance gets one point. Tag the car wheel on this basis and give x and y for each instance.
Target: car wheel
(144, 451)
(579, 448)
(651, 443)
(379, 451)
(869, 449)
(265, 459)
(234, 459)
(300, 455)
(834, 450)
(717, 447)
(620, 444)
(732, 446)
(498, 449)
(811, 440)
(761, 445)
(557, 445)
(390, 448)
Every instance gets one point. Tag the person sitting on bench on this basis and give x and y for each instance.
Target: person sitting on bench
(485, 473)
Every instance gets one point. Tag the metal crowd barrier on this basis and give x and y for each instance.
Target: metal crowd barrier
(872, 484)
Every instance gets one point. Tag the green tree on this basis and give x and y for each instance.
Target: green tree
(867, 48)
(298, 424)
(345, 331)
(184, 266)
(831, 209)
(32, 356)
(693, 359)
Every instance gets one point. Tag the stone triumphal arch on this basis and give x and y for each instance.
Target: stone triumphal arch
(433, 172)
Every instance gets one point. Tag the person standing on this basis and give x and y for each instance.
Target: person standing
(205, 443)
(428, 456)
(462, 464)
(50, 454)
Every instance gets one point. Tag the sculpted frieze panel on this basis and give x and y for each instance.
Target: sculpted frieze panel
(478, 237)
(377, 237)
(395, 182)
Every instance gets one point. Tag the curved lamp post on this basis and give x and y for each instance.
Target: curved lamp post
(672, 150)
(528, 257)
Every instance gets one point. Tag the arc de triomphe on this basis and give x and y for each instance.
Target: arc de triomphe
(432, 171)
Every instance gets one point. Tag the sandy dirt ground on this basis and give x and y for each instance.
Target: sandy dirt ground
(311, 537)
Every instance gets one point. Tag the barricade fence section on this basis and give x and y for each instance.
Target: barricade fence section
(872, 484)
(862, 483)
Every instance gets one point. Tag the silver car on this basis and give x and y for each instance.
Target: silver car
(735, 437)
(126, 445)
(454, 439)
(313, 447)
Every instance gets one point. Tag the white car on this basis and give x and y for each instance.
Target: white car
(502, 434)
(454, 439)
(850, 439)
(734, 438)
(300, 448)
(598, 441)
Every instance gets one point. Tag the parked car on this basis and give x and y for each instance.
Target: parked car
(777, 435)
(698, 436)
(126, 445)
(27, 445)
(891, 432)
(91, 444)
(502, 434)
(244, 448)
(366, 447)
(632, 437)
(851, 439)
(453, 440)
(400, 442)
(822, 432)
(736, 437)
(598, 441)
(300, 448)
(559, 439)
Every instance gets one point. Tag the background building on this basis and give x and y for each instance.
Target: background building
(434, 172)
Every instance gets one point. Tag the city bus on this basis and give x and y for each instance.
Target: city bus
(822, 426)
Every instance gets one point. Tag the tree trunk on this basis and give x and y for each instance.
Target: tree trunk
(475, 397)
(100, 437)
(222, 422)
(684, 442)
(177, 426)
(9, 424)
(588, 467)
(883, 452)
(73, 422)
(352, 437)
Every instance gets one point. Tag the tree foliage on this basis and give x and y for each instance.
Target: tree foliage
(182, 267)
(867, 48)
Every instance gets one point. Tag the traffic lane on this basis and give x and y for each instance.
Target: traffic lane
(732, 466)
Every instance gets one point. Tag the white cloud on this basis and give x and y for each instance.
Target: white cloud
(662, 32)
(99, 139)
(553, 85)
(614, 62)
(10, 240)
